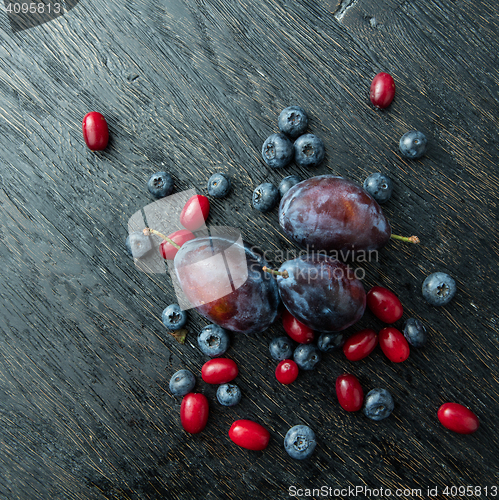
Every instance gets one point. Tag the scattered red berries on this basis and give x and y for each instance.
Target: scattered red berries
(249, 435)
(360, 344)
(349, 392)
(296, 330)
(393, 344)
(194, 412)
(286, 371)
(219, 371)
(195, 212)
(382, 90)
(384, 304)
(458, 418)
(167, 250)
(95, 131)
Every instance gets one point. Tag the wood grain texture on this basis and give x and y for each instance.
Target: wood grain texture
(195, 87)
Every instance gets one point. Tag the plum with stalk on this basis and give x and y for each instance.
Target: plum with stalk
(327, 212)
(322, 293)
(222, 277)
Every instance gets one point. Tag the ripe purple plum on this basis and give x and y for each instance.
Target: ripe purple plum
(321, 292)
(223, 278)
(333, 213)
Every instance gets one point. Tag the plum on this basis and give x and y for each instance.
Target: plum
(321, 292)
(223, 279)
(333, 213)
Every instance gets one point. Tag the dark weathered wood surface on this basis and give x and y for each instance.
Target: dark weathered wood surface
(195, 87)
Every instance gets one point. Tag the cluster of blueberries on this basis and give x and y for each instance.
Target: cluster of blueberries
(308, 150)
(278, 151)
(266, 195)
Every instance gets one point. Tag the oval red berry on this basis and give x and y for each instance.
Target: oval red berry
(286, 371)
(296, 330)
(458, 418)
(249, 435)
(219, 371)
(384, 304)
(95, 131)
(349, 392)
(195, 212)
(393, 344)
(194, 412)
(382, 90)
(167, 250)
(360, 344)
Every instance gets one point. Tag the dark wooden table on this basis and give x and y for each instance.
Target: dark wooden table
(195, 87)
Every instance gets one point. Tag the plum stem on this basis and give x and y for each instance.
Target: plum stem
(410, 239)
(284, 273)
(148, 231)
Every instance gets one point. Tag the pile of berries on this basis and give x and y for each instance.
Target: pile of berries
(386, 306)
(299, 441)
(279, 150)
(395, 345)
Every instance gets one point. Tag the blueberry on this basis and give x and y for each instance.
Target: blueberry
(438, 289)
(213, 340)
(228, 394)
(173, 317)
(309, 150)
(182, 382)
(287, 183)
(330, 341)
(379, 186)
(415, 332)
(265, 197)
(306, 356)
(277, 151)
(300, 442)
(160, 184)
(218, 185)
(281, 348)
(293, 121)
(378, 404)
(413, 144)
(138, 244)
